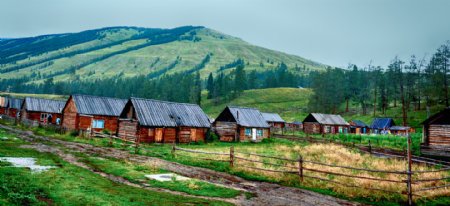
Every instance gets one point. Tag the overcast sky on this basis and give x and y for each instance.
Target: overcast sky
(334, 32)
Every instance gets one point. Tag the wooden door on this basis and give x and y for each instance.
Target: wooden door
(158, 135)
(193, 135)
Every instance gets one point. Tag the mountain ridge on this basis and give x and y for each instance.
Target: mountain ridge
(136, 51)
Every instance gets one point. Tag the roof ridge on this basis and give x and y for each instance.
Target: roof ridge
(244, 107)
(156, 100)
(103, 97)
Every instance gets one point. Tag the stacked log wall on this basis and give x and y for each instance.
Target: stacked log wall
(226, 130)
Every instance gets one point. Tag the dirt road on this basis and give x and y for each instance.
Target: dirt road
(265, 193)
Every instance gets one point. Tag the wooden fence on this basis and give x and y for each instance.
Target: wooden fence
(299, 168)
(369, 148)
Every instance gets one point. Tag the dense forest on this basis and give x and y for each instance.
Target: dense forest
(411, 85)
(179, 87)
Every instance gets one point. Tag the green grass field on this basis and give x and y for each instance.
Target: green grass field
(71, 185)
(330, 153)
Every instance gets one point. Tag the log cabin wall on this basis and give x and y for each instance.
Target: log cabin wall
(36, 116)
(227, 131)
(2, 110)
(70, 116)
(110, 123)
(128, 129)
(312, 128)
(439, 135)
(12, 112)
(248, 138)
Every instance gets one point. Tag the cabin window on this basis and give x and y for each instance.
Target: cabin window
(248, 132)
(44, 116)
(340, 129)
(327, 129)
(259, 132)
(98, 124)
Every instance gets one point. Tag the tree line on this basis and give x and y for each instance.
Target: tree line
(412, 85)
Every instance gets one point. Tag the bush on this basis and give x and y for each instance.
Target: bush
(74, 133)
(105, 131)
(211, 136)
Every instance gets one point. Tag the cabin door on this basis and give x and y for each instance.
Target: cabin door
(159, 135)
(254, 134)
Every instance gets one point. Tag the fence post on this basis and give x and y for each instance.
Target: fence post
(409, 172)
(231, 156)
(110, 140)
(173, 150)
(137, 142)
(370, 147)
(300, 167)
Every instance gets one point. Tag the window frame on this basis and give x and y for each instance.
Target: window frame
(248, 132)
(259, 132)
(95, 124)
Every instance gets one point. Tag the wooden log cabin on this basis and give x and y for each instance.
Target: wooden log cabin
(154, 121)
(381, 125)
(436, 135)
(84, 112)
(274, 120)
(358, 127)
(317, 123)
(401, 130)
(3, 105)
(13, 107)
(241, 124)
(42, 110)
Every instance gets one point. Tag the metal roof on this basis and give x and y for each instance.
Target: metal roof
(382, 123)
(169, 114)
(44, 105)
(330, 119)
(399, 128)
(93, 105)
(15, 103)
(272, 117)
(359, 123)
(3, 101)
(248, 117)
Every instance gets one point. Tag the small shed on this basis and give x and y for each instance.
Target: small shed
(317, 123)
(42, 110)
(358, 127)
(274, 120)
(3, 105)
(241, 124)
(401, 130)
(83, 112)
(382, 125)
(295, 125)
(436, 134)
(155, 121)
(13, 107)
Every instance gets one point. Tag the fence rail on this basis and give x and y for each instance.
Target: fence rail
(297, 167)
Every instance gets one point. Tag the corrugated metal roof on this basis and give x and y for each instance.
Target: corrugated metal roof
(359, 123)
(248, 117)
(15, 103)
(331, 119)
(382, 123)
(399, 128)
(4, 101)
(93, 105)
(44, 105)
(272, 117)
(169, 114)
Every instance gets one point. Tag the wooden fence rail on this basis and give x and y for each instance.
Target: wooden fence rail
(296, 166)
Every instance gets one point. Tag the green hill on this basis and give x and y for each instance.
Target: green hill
(292, 104)
(132, 51)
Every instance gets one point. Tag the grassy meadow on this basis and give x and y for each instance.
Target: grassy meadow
(68, 184)
(328, 153)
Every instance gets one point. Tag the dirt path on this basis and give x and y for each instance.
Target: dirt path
(266, 193)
